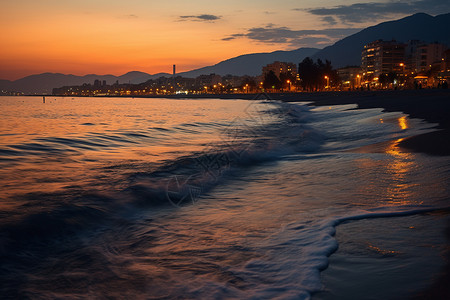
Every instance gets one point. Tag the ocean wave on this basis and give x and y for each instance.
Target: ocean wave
(184, 179)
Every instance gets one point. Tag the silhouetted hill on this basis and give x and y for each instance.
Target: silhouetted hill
(251, 64)
(44, 83)
(347, 51)
(139, 77)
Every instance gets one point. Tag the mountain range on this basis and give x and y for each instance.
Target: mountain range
(420, 26)
(345, 52)
(251, 64)
(44, 83)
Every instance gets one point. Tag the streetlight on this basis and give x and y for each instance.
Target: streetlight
(403, 70)
(328, 81)
(289, 82)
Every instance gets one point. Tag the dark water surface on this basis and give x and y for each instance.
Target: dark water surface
(158, 198)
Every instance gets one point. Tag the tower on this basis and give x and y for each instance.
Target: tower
(173, 79)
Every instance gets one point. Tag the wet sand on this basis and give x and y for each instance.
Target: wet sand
(440, 289)
(407, 264)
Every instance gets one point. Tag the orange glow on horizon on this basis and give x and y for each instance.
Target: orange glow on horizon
(72, 39)
(112, 37)
(109, 37)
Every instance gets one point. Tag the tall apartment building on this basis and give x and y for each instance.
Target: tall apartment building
(445, 62)
(279, 68)
(382, 57)
(426, 55)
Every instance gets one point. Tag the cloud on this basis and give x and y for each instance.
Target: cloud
(330, 20)
(374, 11)
(201, 18)
(233, 36)
(130, 16)
(271, 34)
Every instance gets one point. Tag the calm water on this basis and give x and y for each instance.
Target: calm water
(158, 198)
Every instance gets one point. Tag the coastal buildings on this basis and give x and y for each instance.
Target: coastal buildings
(390, 64)
(285, 72)
(426, 55)
(350, 77)
(277, 67)
(384, 65)
(382, 57)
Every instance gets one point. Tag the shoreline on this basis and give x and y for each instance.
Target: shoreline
(433, 106)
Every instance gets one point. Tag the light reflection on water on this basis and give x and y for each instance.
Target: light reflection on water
(66, 141)
(400, 189)
(403, 122)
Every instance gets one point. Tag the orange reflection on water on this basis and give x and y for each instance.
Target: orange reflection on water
(83, 143)
(399, 189)
(390, 181)
(394, 149)
(403, 122)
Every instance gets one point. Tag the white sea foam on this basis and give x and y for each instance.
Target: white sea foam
(299, 252)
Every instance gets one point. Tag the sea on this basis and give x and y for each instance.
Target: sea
(154, 198)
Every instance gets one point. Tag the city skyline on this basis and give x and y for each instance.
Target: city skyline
(113, 37)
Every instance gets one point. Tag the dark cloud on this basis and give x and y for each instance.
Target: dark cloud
(374, 11)
(202, 18)
(271, 34)
(233, 36)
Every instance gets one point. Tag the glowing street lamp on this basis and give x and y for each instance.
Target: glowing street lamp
(328, 81)
(403, 68)
(289, 82)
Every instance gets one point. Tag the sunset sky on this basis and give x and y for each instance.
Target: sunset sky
(114, 37)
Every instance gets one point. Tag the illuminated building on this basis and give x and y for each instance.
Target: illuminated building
(382, 57)
(279, 68)
(350, 76)
(427, 55)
